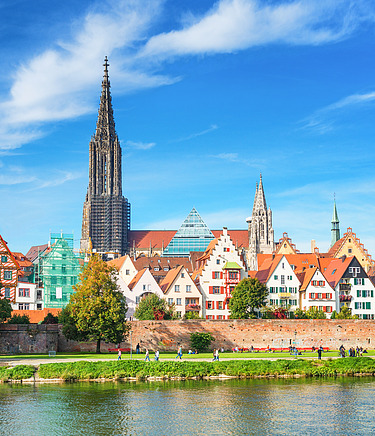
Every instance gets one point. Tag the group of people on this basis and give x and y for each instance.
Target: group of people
(352, 352)
(147, 355)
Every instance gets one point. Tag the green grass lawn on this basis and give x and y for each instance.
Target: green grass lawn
(126, 356)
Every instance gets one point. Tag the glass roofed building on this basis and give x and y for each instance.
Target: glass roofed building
(193, 235)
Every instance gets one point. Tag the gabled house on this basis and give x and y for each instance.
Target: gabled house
(142, 285)
(352, 285)
(219, 270)
(26, 271)
(125, 267)
(27, 297)
(315, 291)
(180, 290)
(9, 269)
(279, 277)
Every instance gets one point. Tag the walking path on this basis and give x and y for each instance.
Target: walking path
(36, 362)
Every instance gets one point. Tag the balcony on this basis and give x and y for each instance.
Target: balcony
(285, 294)
(345, 286)
(192, 307)
(345, 298)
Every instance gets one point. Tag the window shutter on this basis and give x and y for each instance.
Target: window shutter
(211, 290)
(358, 293)
(206, 316)
(310, 295)
(324, 309)
(221, 274)
(217, 304)
(372, 293)
(206, 304)
(355, 305)
(213, 274)
(324, 283)
(222, 290)
(368, 305)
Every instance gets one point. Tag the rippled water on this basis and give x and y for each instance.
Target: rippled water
(232, 407)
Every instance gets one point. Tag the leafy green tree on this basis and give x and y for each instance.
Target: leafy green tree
(346, 313)
(5, 310)
(153, 307)
(334, 315)
(192, 314)
(201, 341)
(97, 309)
(311, 313)
(250, 294)
(19, 319)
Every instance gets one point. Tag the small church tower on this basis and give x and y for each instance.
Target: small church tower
(261, 234)
(335, 229)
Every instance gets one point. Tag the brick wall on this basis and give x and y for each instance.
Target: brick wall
(168, 335)
(28, 338)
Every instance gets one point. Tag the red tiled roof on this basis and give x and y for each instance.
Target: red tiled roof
(336, 269)
(143, 239)
(36, 316)
(32, 254)
(136, 278)
(117, 263)
(170, 278)
(305, 277)
(23, 263)
(300, 261)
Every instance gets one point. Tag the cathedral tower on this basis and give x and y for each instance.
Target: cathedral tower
(106, 213)
(261, 235)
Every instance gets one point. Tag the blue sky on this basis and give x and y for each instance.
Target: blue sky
(206, 96)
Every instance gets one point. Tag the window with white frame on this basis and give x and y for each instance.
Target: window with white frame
(188, 288)
(178, 301)
(177, 288)
(170, 301)
(216, 289)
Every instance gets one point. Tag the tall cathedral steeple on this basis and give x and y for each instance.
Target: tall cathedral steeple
(106, 213)
(335, 229)
(261, 234)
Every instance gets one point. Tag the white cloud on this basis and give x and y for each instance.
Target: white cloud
(323, 120)
(233, 25)
(140, 145)
(56, 84)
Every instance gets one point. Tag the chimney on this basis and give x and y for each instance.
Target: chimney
(225, 231)
(313, 245)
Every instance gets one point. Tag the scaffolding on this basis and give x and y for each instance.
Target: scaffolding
(59, 269)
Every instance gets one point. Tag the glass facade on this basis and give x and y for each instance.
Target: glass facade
(193, 235)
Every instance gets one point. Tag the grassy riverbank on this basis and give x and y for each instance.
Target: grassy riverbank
(86, 370)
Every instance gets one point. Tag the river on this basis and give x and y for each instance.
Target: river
(342, 406)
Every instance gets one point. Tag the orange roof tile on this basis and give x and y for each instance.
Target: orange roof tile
(36, 316)
(305, 277)
(136, 278)
(240, 238)
(117, 263)
(336, 269)
(170, 278)
(23, 263)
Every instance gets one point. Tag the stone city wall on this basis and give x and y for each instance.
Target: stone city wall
(168, 335)
(28, 338)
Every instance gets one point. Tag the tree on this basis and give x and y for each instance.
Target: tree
(153, 307)
(311, 313)
(192, 314)
(19, 319)
(50, 318)
(200, 341)
(346, 313)
(5, 310)
(97, 309)
(247, 296)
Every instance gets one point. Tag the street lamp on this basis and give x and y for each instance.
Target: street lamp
(131, 345)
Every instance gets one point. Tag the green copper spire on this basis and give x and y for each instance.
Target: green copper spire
(335, 230)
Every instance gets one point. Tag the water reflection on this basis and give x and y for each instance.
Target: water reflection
(232, 407)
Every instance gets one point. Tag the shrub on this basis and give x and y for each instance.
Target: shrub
(19, 319)
(50, 319)
(201, 341)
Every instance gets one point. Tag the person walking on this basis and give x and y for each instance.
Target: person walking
(119, 355)
(179, 353)
(147, 355)
(157, 356)
(320, 349)
(214, 355)
(217, 354)
(137, 349)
